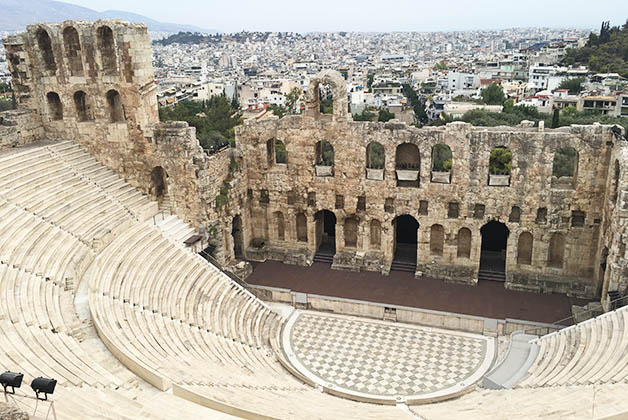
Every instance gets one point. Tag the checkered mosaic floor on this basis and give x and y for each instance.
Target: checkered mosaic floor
(385, 359)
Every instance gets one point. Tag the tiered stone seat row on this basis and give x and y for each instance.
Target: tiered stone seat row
(107, 181)
(591, 352)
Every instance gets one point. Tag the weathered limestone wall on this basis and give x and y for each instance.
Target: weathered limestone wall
(101, 72)
(18, 128)
(294, 188)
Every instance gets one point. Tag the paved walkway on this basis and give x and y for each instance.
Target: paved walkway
(383, 360)
(488, 299)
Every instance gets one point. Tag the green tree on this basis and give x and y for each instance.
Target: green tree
(385, 115)
(574, 85)
(442, 65)
(364, 116)
(369, 81)
(493, 94)
(418, 105)
(441, 158)
(556, 119)
(290, 104)
(564, 162)
(376, 156)
(499, 161)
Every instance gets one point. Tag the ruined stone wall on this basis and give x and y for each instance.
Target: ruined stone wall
(18, 128)
(574, 209)
(93, 83)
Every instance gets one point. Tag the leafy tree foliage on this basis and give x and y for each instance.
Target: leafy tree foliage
(606, 52)
(442, 65)
(327, 106)
(213, 119)
(565, 160)
(493, 94)
(385, 115)
(325, 154)
(499, 161)
(280, 152)
(291, 103)
(364, 116)
(418, 105)
(441, 158)
(574, 85)
(376, 156)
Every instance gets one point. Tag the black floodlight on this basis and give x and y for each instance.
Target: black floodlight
(44, 386)
(11, 379)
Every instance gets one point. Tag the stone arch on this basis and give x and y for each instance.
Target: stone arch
(565, 167)
(301, 221)
(407, 165)
(107, 47)
(494, 246)
(81, 106)
(325, 228)
(515, 215)
(72, 46)
(159, 182)
(524, 248)
(442, 160)
(338, 87)
(464, 243)
(437, 239)
(406, 238)
(324, 153)
(375, 233)
(55, 108)
(556, 250)
(280, 224)
(499, 166)
(45, 48)
(276, 152)
(375, 155)
(114, 106)
(351, 231)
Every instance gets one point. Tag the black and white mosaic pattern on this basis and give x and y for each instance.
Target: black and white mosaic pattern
(385, 359)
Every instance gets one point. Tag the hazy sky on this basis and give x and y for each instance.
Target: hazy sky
(372, 15)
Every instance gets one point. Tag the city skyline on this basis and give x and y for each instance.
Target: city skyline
(367, 16)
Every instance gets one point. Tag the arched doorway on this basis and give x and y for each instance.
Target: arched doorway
(159, 184)
(325, 233)
(236, 234)
(493, 256)
(406, 236)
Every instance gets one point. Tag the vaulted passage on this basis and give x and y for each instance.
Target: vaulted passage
(406, 235)
(325, 232)
(159, 185)
(494, 242)
(236, 234)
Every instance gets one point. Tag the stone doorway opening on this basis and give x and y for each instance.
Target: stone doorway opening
(493, 256)
(406, 236)
(159, 184)
(325, 233)
(236, 234)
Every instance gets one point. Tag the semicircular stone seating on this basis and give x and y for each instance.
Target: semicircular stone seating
(169, 318)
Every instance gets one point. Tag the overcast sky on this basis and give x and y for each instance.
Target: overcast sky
(372, 15)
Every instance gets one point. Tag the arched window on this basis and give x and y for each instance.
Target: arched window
(437, 239)
(407, 165)
(276, 152)
(556, 252)
(45, 47)
(499, 166)
(524, 248)
(301, 227)
(376, 233)
(324, 158)
(107, 46)
(565, 168)
(326, 99)
(82, 109)
(375, 156)
(281, 235)
(114, 106)
(351, 232)
(515, 215)
(441, 164)
(54, 106)
(72, 47)
(464, 243)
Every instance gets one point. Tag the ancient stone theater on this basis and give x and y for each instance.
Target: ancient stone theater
(126, 254)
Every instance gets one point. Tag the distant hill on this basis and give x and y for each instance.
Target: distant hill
(606, 52)
(16, 14)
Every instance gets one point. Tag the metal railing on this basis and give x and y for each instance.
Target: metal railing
(533, 330)
(219, 266)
